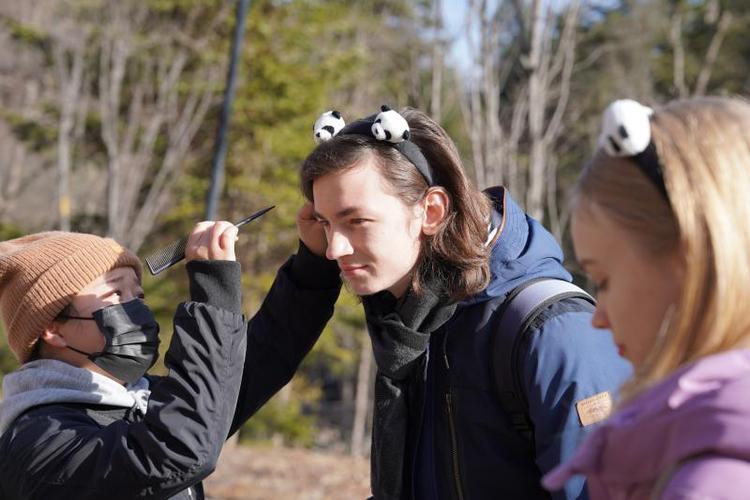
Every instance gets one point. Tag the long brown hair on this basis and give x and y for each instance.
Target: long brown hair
(703, 146)
(457, 253)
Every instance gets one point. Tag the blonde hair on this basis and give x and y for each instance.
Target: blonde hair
(703, 146)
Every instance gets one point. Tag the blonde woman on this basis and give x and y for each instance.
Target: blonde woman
(662, 226)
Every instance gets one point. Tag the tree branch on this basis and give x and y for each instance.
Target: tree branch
(712, 53)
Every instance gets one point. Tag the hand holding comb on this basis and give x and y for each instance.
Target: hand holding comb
(175, 252)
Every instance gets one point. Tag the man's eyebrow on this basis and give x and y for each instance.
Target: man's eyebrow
(340, 213)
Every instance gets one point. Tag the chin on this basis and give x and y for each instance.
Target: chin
(361, 288)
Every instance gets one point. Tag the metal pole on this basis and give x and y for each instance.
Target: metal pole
(220, 150)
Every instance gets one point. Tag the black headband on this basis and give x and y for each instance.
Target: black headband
(648, 162)
(410, 150)
(626, 133)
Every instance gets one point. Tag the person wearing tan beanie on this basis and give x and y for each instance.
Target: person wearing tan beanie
(40, 274)
(80, 418)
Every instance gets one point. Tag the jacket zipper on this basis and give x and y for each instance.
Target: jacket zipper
(454, 447)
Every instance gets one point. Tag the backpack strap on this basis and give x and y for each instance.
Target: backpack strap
(518, 312)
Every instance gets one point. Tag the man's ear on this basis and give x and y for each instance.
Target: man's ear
(436, 207)
(51, 335)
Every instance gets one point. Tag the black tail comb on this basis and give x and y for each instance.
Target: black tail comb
(175, 252)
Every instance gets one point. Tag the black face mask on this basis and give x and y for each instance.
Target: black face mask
(132, 340)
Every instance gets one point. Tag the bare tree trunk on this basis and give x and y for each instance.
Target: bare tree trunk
(515, 179)
(70, 77)
(180, 136)
(549, 74)
(712, 53)
(678, 63)
(537, 100)
(554, 214)
(474, 119)
(436, 100)
(114, 54)
(561, 70)
(415, 95)
(370, 410)
(161, 106)
(153, 88)
(723, 22)
(497, 134)
(14, 166)
(285, 394)
(361, 402)
(10, 175)
(493, 132)
(474, 116)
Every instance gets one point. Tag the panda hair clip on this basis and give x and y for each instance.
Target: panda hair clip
(626, 128)
(328, 125)
(387, 126)
(390, 126)
(626, 133)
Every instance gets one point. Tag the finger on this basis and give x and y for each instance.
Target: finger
(227, 241)
(198, 230)
(214, 248)
(217, 249)
(195, 248)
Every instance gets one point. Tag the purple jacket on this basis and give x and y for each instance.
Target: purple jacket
(687, 437)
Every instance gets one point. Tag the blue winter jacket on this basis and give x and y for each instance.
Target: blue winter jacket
(461, 442)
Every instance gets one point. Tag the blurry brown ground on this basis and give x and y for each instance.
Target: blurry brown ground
(267, 473)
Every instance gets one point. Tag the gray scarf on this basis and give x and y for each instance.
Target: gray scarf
(400, 333)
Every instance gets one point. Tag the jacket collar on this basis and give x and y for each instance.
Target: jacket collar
(522, 249)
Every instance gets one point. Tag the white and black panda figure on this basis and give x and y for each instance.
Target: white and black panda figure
(390, 126)
(626, 128)
(327, 125)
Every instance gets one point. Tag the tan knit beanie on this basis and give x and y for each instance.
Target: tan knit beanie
(41, 273)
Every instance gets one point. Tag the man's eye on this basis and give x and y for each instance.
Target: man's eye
(358, 222)
(600, 286)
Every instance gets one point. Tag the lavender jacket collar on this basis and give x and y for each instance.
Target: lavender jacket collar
(690, 432)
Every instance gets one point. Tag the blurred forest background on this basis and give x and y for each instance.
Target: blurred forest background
(109, 111)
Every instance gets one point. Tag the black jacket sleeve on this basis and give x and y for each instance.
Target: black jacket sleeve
(286, 327)
(176, 443)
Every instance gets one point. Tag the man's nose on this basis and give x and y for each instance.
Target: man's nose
(338, 246)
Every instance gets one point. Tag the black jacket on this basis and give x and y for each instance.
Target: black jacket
(93, 452)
